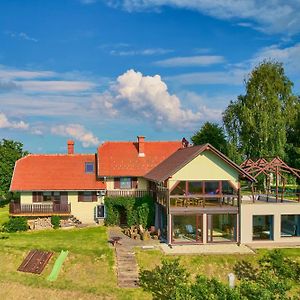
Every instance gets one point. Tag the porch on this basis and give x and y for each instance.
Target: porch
(39, 209)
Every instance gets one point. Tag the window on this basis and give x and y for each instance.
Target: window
(47, 196)
(187, 229)
(125, 183)
(222, 228)
(87, 196)
(89, 167)
(262, 227)
(290, 225)
(100, 211)
(195, 187)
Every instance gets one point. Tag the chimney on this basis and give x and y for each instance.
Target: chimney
(70, 147)
(141, 146)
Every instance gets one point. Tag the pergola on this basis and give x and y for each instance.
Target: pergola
(274, 167)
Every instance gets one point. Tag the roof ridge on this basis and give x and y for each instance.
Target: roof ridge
(59, 154)
(114, 142)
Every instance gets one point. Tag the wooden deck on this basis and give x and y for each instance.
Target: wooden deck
(39, 209)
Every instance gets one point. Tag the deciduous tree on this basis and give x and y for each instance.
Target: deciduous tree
(256, 123)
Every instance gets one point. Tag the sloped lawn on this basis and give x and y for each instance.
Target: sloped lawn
(87, 273)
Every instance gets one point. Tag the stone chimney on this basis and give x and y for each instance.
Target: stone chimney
(70, 147)
(141, 146)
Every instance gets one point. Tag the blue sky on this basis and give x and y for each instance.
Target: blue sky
(99, 70)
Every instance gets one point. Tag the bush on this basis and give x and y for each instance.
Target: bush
(55, 221)
(15, 224)
(166, 281)
(138, 210)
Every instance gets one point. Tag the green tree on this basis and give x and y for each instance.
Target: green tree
(211, 133)
(256, 123)
(292, 148)
(10, 152)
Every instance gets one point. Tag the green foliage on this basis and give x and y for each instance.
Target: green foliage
(244, 269)
(210, 289)
(10, 152)
(55, 221)
(211, 133)
(15, 224)
(256, 123)
(272, 279)
(165, 281)
(282, 266)
(137, 210)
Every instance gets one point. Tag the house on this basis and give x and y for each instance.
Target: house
(196, 189)
(58, 184)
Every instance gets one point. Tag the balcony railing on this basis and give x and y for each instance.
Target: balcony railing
(203, 200)
(127, 193)
(39, 209)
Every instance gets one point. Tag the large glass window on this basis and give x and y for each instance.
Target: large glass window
(195, 187)
(180, 189)
(263, 227)
(227, 189)
(187, 229)
(125, 183)
(212, 187)
(290, 225)
(222, 228)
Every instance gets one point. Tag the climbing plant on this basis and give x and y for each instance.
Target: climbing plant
(139, 211)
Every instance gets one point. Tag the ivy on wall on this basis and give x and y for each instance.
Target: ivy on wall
(138, 211)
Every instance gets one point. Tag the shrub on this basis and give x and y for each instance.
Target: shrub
(15, 224)
(165, 282)
(55, 221)
(137, 210)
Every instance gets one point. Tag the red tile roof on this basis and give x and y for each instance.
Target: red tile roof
(54, 172)
(121, 158)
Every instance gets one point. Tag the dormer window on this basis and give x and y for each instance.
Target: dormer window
(89, 167)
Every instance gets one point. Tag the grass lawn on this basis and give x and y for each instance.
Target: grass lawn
(87, 273)
(89, 270)
(3, 214)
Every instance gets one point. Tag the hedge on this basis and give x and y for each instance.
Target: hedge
(139, 211)
(15, 224)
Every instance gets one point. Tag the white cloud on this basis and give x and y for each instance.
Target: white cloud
(200, 60)
(21, 36)
(234, 76)
(272, 16)
(143, 52)
(5, 123)
(148, 98)
(289, 56)
(11, 74)
(6, 86)
(56, 86)
(77, 132)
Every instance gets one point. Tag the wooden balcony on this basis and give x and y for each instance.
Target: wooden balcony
(204, 200)
(127, 193)
(39, 209)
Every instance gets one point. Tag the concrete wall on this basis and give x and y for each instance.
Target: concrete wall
(206, 166)
(248, 210)
(26, 197)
